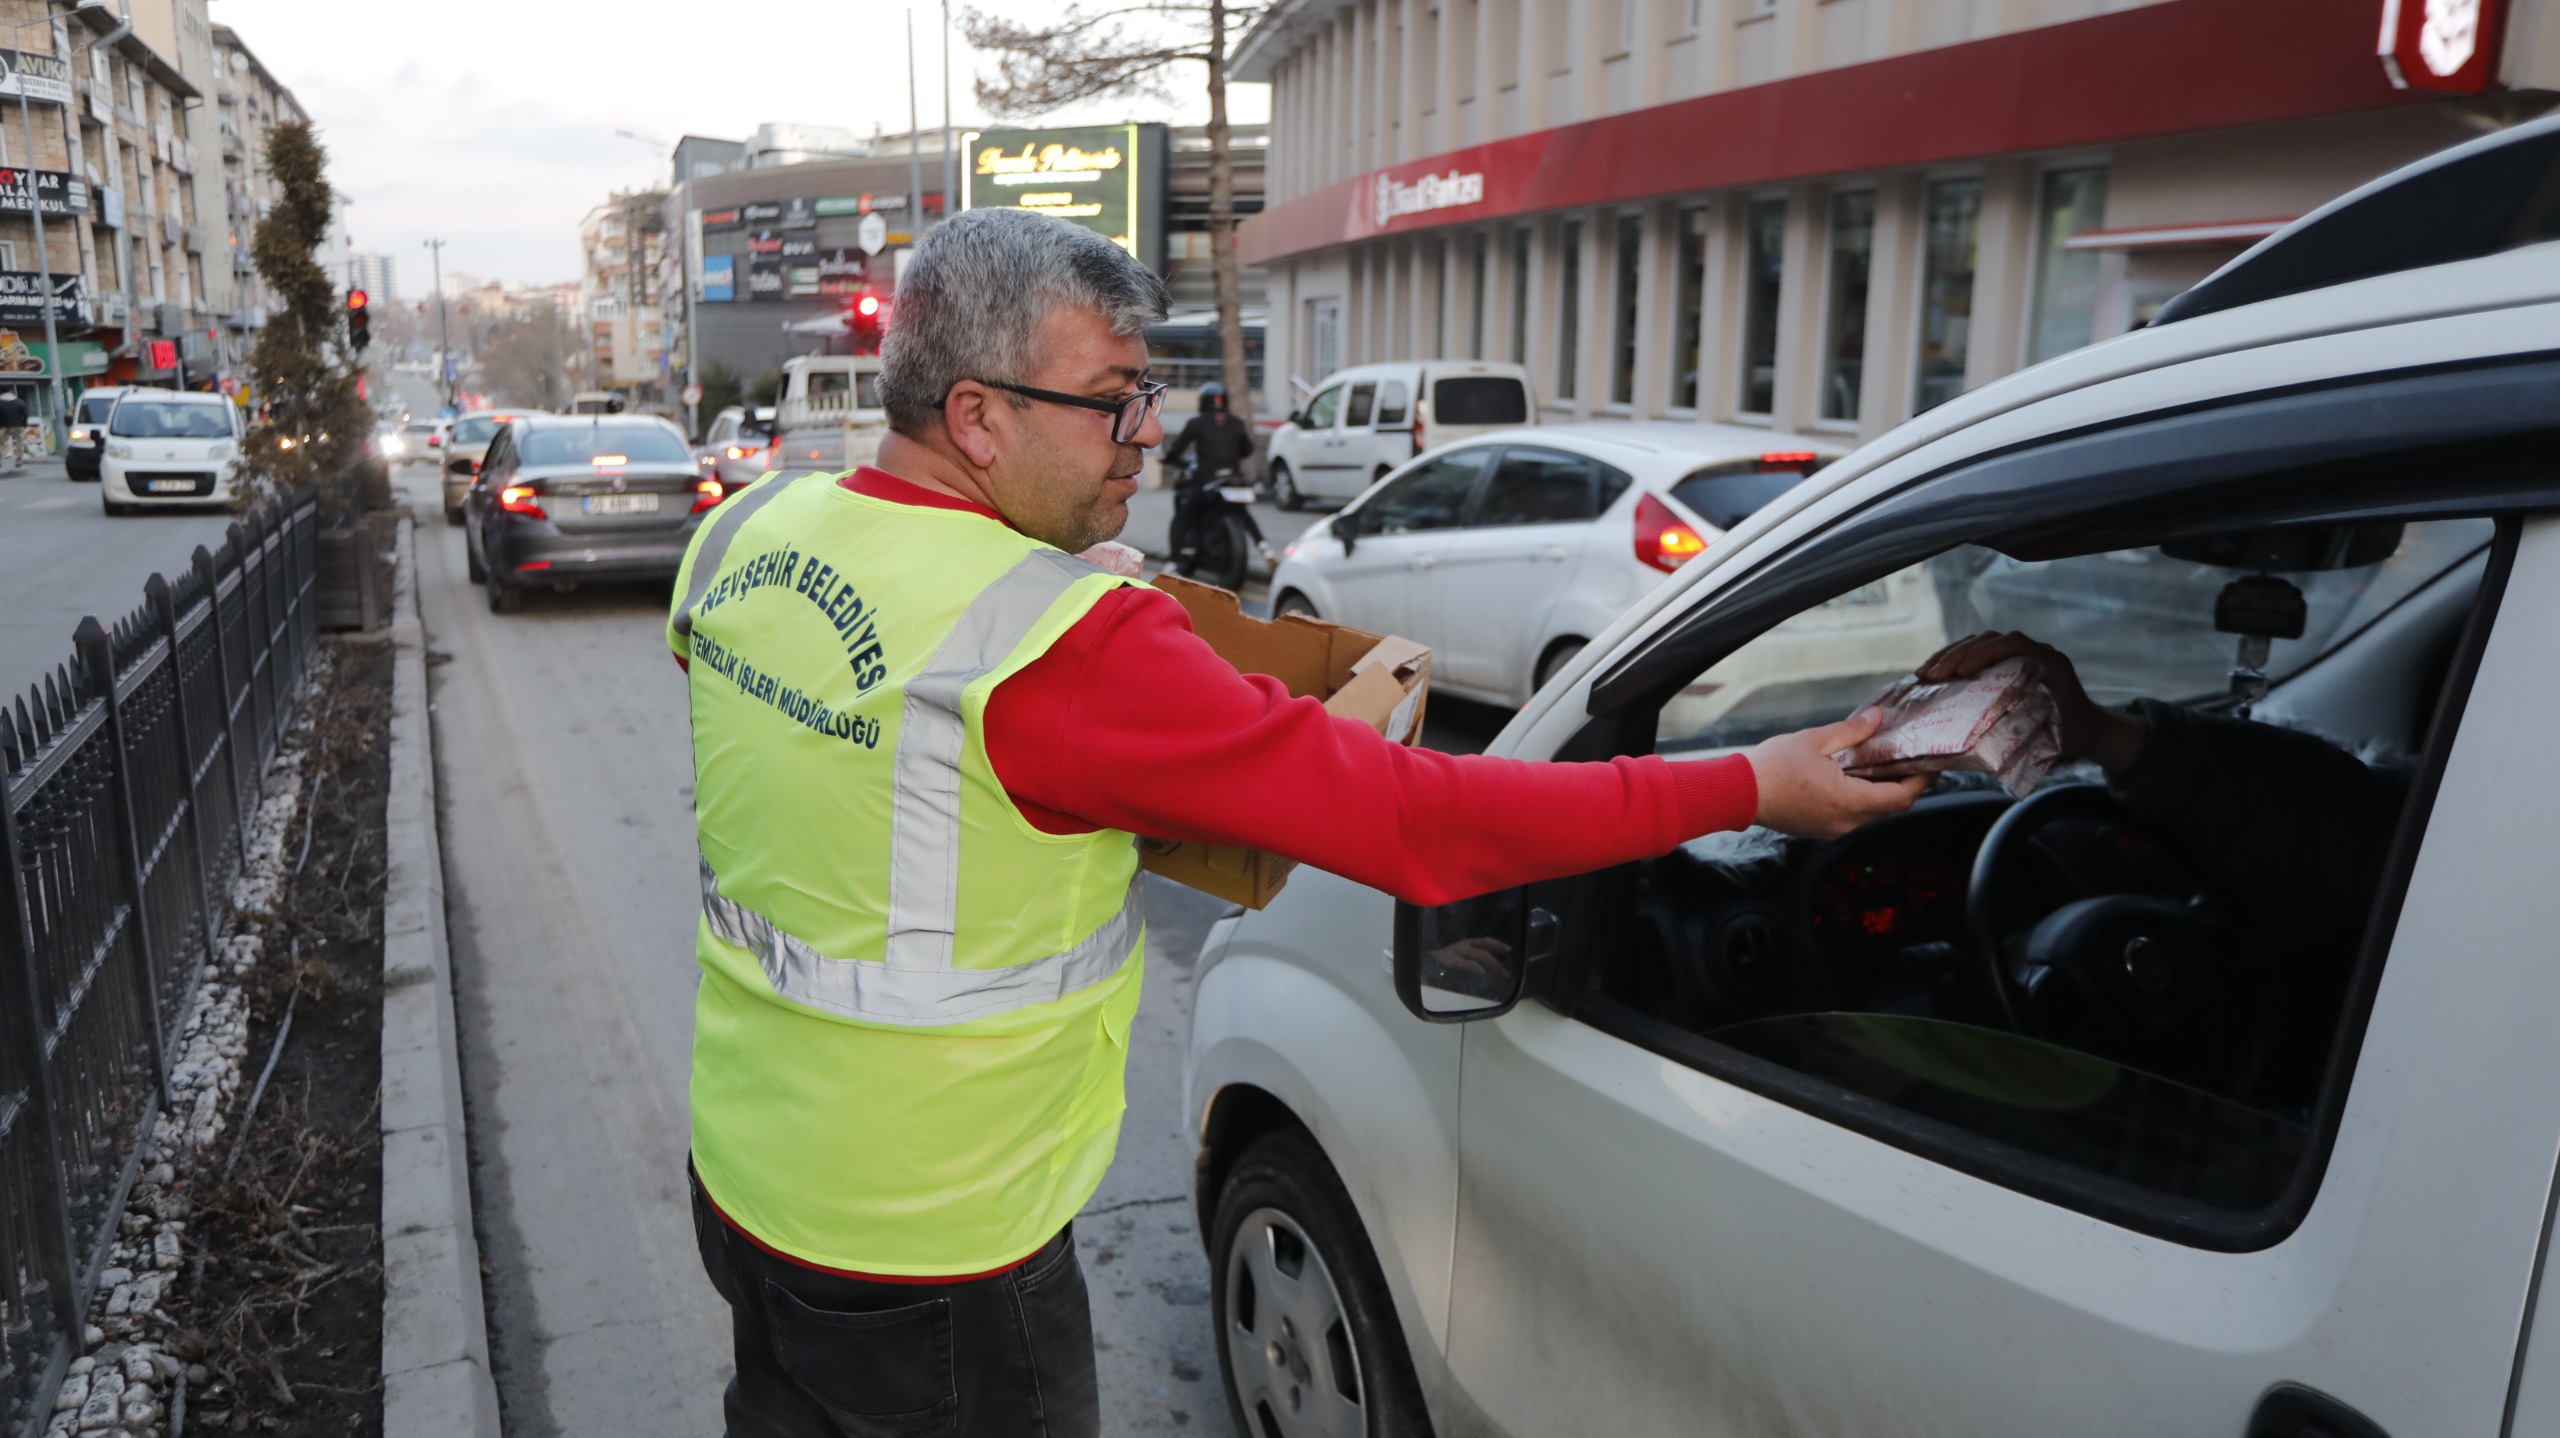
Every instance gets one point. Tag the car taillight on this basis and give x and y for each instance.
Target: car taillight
(773, 457)
(1663, 539)
(520, 499)
(708, 493)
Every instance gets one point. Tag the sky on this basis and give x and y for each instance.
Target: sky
(492, 123)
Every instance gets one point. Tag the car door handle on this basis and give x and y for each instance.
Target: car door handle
(1425, 561)
(1556, 552)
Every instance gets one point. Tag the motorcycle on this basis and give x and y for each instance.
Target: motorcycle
(1214, 533)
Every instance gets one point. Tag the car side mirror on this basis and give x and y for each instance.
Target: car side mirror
(1346, 527)
(1456, 963)
(1298, 418)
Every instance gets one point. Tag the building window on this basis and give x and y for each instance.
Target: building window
(1519, 296)
(1324, 336)
(1481, 244)
(2066, 305)
(1844, 325)
(1953, 223)
(1629, 269)
(1439, 297)
(1569, 308)
(1687, 317)
(1765, 262)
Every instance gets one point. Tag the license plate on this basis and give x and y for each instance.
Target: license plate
(173, 486)
(1236, 494)
(620, 504)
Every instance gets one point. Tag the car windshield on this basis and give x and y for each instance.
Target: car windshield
(1724, 495)
(579, 444)
(476, 429)
(1480, 399)
(865, 386)
(94, 410)
(171, 419)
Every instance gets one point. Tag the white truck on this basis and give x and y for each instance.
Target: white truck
(829, 418)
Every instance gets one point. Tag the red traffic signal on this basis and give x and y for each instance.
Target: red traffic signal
(868, 307)
(358, 299)
(359, 319)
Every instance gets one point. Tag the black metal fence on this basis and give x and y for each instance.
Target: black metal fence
(128, 779)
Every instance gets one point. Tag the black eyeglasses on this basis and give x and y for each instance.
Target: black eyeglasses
(1129, 414)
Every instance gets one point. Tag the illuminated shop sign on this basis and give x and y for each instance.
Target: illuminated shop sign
(2441, 44)
(1432, 192)
(1102, 177)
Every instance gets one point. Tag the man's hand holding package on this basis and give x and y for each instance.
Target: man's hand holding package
(2088, 729)
(1804, 791)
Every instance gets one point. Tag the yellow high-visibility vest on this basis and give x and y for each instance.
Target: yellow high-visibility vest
(913, 1022)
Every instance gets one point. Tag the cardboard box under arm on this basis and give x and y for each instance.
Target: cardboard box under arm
(1377, 679)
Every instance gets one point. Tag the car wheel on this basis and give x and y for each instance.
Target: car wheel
(1295, 603)
(113, 509)
(1383, 472)
(1308, 1340)
(453, 515)
(505, 598)
(1558, 655)
(1284, 489)
(471, 562)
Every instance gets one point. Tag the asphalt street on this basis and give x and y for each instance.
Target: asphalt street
(61, 559)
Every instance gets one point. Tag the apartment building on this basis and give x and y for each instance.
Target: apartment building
(248, 102)
(1819, 214)
(621, 244)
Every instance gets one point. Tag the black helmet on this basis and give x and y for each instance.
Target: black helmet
(1213, 396)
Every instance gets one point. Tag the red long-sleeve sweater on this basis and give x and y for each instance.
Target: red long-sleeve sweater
(1130, 721)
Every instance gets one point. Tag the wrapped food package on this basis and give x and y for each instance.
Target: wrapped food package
(2000, 722)
(1117, 558)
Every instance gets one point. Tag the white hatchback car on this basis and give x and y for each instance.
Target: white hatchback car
(1506, 554)
(169, 448)
(2218, 1098)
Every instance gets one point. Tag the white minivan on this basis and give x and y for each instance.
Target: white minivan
(1360, 423)
(167, 447)
(2211, 1095)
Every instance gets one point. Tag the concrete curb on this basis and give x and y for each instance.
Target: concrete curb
(435, 1338)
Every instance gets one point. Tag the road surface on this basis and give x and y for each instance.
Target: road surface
(61, 558)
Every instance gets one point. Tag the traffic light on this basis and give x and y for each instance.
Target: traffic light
(359, 319)
(866, 320)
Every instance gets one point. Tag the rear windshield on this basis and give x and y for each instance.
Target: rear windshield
(419, 429)
(636, 443)
(171, 419)
(476, 429)
(866, 392)
(95, 409)
(1480, 399)
(1724, 495)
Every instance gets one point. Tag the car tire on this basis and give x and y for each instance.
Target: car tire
(453, 515)
(113, 509)
(1301, 1308)
(505, 598)
(1383, 472)
(1284, 488)
(1292, 602)
(1558, 655)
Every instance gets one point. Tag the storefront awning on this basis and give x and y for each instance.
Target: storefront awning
(2205, 235)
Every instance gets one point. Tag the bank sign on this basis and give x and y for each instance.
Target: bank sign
(1089, 175)
(2448, 45)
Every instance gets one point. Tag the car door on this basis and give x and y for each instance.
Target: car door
(480, 501)
(1388, 441)
(1680, 1214)
(1387, 578)
(1504, 569)
(1313, 450)
(1346, 463)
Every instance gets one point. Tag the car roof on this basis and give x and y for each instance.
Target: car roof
(1658, 448)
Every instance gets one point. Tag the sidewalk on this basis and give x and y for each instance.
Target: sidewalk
(39, 467)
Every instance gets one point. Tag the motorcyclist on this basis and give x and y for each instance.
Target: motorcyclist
(1219, 444)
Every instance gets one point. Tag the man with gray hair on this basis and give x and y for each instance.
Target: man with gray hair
(925, 733)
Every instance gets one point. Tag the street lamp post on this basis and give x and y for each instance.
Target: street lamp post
(444, 337)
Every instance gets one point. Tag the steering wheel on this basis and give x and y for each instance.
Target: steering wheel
(2160, 978)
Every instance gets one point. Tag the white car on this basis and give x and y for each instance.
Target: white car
(169, 448)
(1506, 554)
(1362, 422)
(2217, 1099)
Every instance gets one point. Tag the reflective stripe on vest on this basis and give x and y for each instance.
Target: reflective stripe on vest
(915, 984)
(879, 991)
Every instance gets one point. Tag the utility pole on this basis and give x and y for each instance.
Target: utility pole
(915, 155)
(950, 183)
(444, 338)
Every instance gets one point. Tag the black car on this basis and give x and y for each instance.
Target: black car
(563, 498)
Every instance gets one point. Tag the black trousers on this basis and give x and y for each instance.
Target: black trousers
(826, 1357)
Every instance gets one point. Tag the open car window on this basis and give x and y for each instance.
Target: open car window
(2130, 983)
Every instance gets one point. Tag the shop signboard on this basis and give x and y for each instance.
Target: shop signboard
(759, 212)
(24, 358)
(842, 205)
(728, 219)
(22, 190)
(1107, 178)
(799, 215)
(799, 247)
(764, 279)
(800, 280)
(2445, 45)
(872, 233)
(22, 298)
(840, 272)
(719, 278)
(38, 77)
